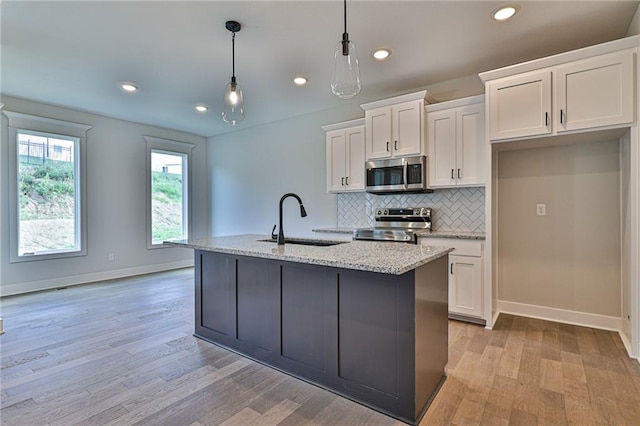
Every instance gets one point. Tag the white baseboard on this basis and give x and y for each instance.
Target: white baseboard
(27, 287)
(496, 314)
(584, 319)
(628, 346)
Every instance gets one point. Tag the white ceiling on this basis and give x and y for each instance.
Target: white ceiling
(75, 54)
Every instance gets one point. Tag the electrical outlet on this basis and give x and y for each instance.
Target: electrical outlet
(111, 257)
(541, 209)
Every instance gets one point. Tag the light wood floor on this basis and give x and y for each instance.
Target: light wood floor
(122, 352)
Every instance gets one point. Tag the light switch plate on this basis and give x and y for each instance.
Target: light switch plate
(541, 209)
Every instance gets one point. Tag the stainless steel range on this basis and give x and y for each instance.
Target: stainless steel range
(398, 225)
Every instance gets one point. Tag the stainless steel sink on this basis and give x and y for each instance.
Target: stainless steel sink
(299, 241)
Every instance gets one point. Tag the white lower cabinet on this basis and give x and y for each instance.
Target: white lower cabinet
(465, 277)
(465, 285)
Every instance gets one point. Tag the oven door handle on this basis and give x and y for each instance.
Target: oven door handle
(404, 172)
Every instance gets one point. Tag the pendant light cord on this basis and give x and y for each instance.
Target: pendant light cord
(233, 57)
(345, 35)
(345, 16)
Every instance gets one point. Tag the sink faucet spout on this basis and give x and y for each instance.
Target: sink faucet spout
(303, 213)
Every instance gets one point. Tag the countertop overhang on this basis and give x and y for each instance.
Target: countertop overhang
(381, 257)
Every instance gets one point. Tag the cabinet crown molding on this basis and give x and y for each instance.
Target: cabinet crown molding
(343, 124)
(423, 94)
(574, 55)
(471, 100)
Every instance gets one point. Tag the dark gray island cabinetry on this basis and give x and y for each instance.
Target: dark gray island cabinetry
(379, 338)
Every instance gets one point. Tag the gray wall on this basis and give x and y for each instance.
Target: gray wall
(569, 259)
(250, 169)
(634, 27)
(116, 204)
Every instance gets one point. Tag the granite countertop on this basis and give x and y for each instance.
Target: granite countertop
(464, 235)
(381, 257)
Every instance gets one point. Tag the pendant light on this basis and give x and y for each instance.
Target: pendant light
(345, 83)
(233, 103)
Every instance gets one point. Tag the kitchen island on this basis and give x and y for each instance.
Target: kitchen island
(367, 320)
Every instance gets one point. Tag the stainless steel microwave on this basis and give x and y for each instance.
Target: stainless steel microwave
(405, 174)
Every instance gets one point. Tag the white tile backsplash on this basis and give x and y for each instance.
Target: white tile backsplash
(352, 210)
(455, 209)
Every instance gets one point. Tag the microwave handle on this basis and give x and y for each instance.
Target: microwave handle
(404, 172)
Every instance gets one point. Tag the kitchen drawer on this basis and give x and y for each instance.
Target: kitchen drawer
(462, 247)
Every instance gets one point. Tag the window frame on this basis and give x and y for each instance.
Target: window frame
(32, 124)
(172, 147)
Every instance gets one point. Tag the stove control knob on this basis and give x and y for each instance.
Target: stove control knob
(386, 212)
(379, 213)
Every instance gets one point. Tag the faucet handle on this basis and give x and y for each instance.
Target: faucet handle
(273, 233)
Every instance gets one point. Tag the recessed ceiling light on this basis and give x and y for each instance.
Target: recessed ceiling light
(300, 80)
(504, 13)
(129, 87)
(201, 108)
(381, 54)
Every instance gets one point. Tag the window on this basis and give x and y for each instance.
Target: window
(168, 201)
(168, 207)
(47, 188)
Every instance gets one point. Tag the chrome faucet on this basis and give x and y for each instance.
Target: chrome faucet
(303, 213)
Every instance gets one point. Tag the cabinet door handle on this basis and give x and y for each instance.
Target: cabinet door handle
(561, 114)
(459, 174)
(395, 145)
(452, 174)
(387, 146)
(342, 181)
(451, 269)
(546, 118)
(346, 180)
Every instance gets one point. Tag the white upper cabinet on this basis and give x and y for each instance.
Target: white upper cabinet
(407, 122)
(336, 160)
(395, 127)
(354, 178)
(345, 156)
(470, 145)
(520, 106)
(591, 93)
(378, 128)
(441, 139)
(456, 143)
(595, 92)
